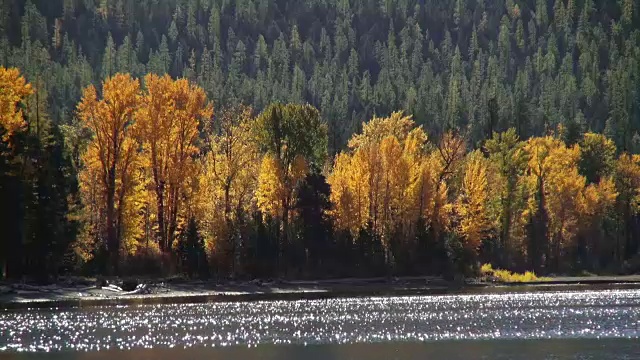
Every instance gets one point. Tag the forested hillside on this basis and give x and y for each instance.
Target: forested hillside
(517, 148)
(476, 65)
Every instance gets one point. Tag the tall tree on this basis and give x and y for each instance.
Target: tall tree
(112, 150)
(294, 137)
(228, 182)
(168, 121)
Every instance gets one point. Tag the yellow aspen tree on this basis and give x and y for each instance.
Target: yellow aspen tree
(15, 89)
(395, 181)
(271, 188)
(374, 131)
(598, 203)
(598, 200)
(536, 178)
(556, 197)
(473, 201)
(425, 194)
(371, 154)
(112, 149)
(168, 121)
(342, 194)
(564, 198)
(379, 182)
(444, 162)
(229, 176)
(360, 184)
(414, 156)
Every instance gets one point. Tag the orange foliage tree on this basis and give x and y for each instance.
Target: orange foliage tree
(168, 120)
(111, 154)
(14, 91)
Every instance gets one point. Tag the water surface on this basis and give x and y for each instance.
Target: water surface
(555, 325)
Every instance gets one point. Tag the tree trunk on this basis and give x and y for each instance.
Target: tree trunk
(229, 224)
(173, 220)
(284, 243)
(162, 233)
(538, 242)
(112, 241)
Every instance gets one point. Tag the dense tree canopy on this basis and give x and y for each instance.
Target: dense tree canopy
(348, 138)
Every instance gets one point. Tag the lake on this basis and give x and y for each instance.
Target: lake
(595, 324)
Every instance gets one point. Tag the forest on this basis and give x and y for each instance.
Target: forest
(318, 138)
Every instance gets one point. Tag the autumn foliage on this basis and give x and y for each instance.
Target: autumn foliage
(14, 91)
(162, 178)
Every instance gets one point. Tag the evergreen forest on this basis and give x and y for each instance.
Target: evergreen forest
(318, 138)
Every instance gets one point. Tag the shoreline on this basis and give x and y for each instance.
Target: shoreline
(199, 292)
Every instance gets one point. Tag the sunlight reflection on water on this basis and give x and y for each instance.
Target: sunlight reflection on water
(611, 314)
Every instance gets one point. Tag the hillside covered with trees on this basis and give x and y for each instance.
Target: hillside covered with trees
(319, 138)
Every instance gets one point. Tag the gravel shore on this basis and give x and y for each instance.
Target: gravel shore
(84, 292)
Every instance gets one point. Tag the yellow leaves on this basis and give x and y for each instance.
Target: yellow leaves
(627, 176)
(414, 145)
(539, 150)
(397, 125)
(428, 195)
(229, 176)
(599, 198)
(271, 191)
(169, 117)
(554, 177)
(121, 95)
(387, 181)
(142, 154)
(168, 120)
(344, 195)
(473, 201)
(565, 194)
(190, 107)
(110, 176)
(111, 119)
(13, 90)
(276, 187)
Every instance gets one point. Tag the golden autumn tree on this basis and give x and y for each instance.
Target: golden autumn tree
(168, 121)
(271, 192)
(537, 177)
(556, 201)
(360, 178)
(347, 212)
(109, 160)
(394, 181)
(15, 90)
(228, 179)
(565, 196)
(385, 183)
(473, 201)
(445, 161)
(598, 205)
